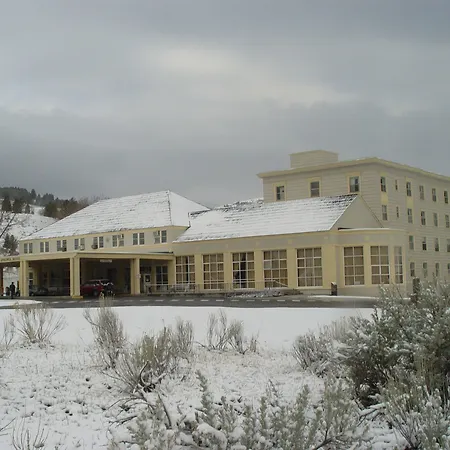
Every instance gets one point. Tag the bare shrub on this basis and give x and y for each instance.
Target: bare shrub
(108, 331)
(8, 334)
(37, 323)
(153, 357)
(23, 439)
(221, 334)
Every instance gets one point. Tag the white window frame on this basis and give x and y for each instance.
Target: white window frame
(436, 219)
(447, 221)
(437, 270)
(383, 185)
(446, 197)
(213, 271)
(408, 189)
(422, 192)
(410, 215)
(314, 191)
(423, 218)
(398, 264)
(411, 242)
(384, 212)
(185, 270)
(434, 194)
(41, 247)
(354, 185)
(412, 269)
(275, 268)
(280, 192)
(436, 245)
(424, 244)
(309, 267)
(353, 263)
(379, 264)
(425, 269)
(243, 270)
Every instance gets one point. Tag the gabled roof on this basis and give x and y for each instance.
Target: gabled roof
(153, 210)
(256, 218)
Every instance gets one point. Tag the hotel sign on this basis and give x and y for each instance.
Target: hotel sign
(7, 259)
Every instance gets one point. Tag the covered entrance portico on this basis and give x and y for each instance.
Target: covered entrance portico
(7, 261)
(64, 274)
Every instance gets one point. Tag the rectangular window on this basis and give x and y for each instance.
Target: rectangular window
(433, 195)
(424, 243)
(354, 265)
(275, 269)
(448, 245)
(437, 270)
(383, 184)
(309, 267)
(384, 212)
(421, 192)
(410, 215)
(118, 240)
(25, 248)
(447, 221)
(411, 242)
(41, 247)
(138, 238)
(397, 211)
(81, 243)
(408, 189)
(314, 188)
(115, 240)
(396, 185)
(379, 261)
(185, 271)
(354, 184)
(58, 246)
(446, 197)
(423, 218)
(160, 236)
(448, 269)
(435, 219)
(47, 247)
(162, 277)
(280, 193)
(76, 243)
(244, 270)
(101, 242)
(95, 243)
(398, 262)
(213, 274)
(412, 269)
(425, 269)
(436, 244)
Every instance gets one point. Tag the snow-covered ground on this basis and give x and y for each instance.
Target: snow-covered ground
(60, 390)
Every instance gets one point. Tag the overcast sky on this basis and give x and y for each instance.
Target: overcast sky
(114, 97)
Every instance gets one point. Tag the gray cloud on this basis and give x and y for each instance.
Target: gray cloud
(111, 98)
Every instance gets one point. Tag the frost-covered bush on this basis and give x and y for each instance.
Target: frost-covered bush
(222, 334)
(401, 335)
(37, 323)
(317, 351)
(108, 331)
(334, 423)
(153, 357)
(416, 412)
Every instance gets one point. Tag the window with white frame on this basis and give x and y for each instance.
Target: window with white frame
(412, 269)
(425, 269)
(434, 195)
(423, 218)
(118, 240)
(448, 245)
(383, 184)
(410, 215)
(354, 265)
(448, 269)
(138, 238)
(61, 245)
(280, 193)
(243, 270)
(447, 221)
(435, 219)
(95, 242)
(397, 211)
(47, 247)
(25, 247)
(379, 261)
(160, 236)
(396, 185)
(398, 263)
(309, 267)
(101, 242)
(421, 192)
(76, 243)
(185, 270)
(408, 189)
(354, 185)
(411, 242)
(436, 244)
(424, 243)
(437, 270)
(384, 212)
(81, 243)
(213, 272)
(446, 197)
(41, 247)
(275, 268)
(314, 188)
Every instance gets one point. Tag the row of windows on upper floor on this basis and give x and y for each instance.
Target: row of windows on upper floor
(409, 213)
(424, 243)
(436, 273)
(117, 240)
(354, 186)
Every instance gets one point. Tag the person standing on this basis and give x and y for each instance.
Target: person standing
(12, 289)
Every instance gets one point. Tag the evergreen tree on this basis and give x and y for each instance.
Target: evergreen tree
(6, 204)
(10, 244)
(51, 210)
(27, 209)
(17, 206)
(33, 194)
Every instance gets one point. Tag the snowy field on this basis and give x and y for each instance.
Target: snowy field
(61, 391)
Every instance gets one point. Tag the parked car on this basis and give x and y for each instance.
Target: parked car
(94, 288)
(39, 291)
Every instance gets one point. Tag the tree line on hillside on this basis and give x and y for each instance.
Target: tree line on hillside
(17, 200)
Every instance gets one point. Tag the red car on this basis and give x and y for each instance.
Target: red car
(93, 288)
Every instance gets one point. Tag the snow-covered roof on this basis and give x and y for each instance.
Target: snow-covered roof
(256, 218)
(153, 210)
(25, 224)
